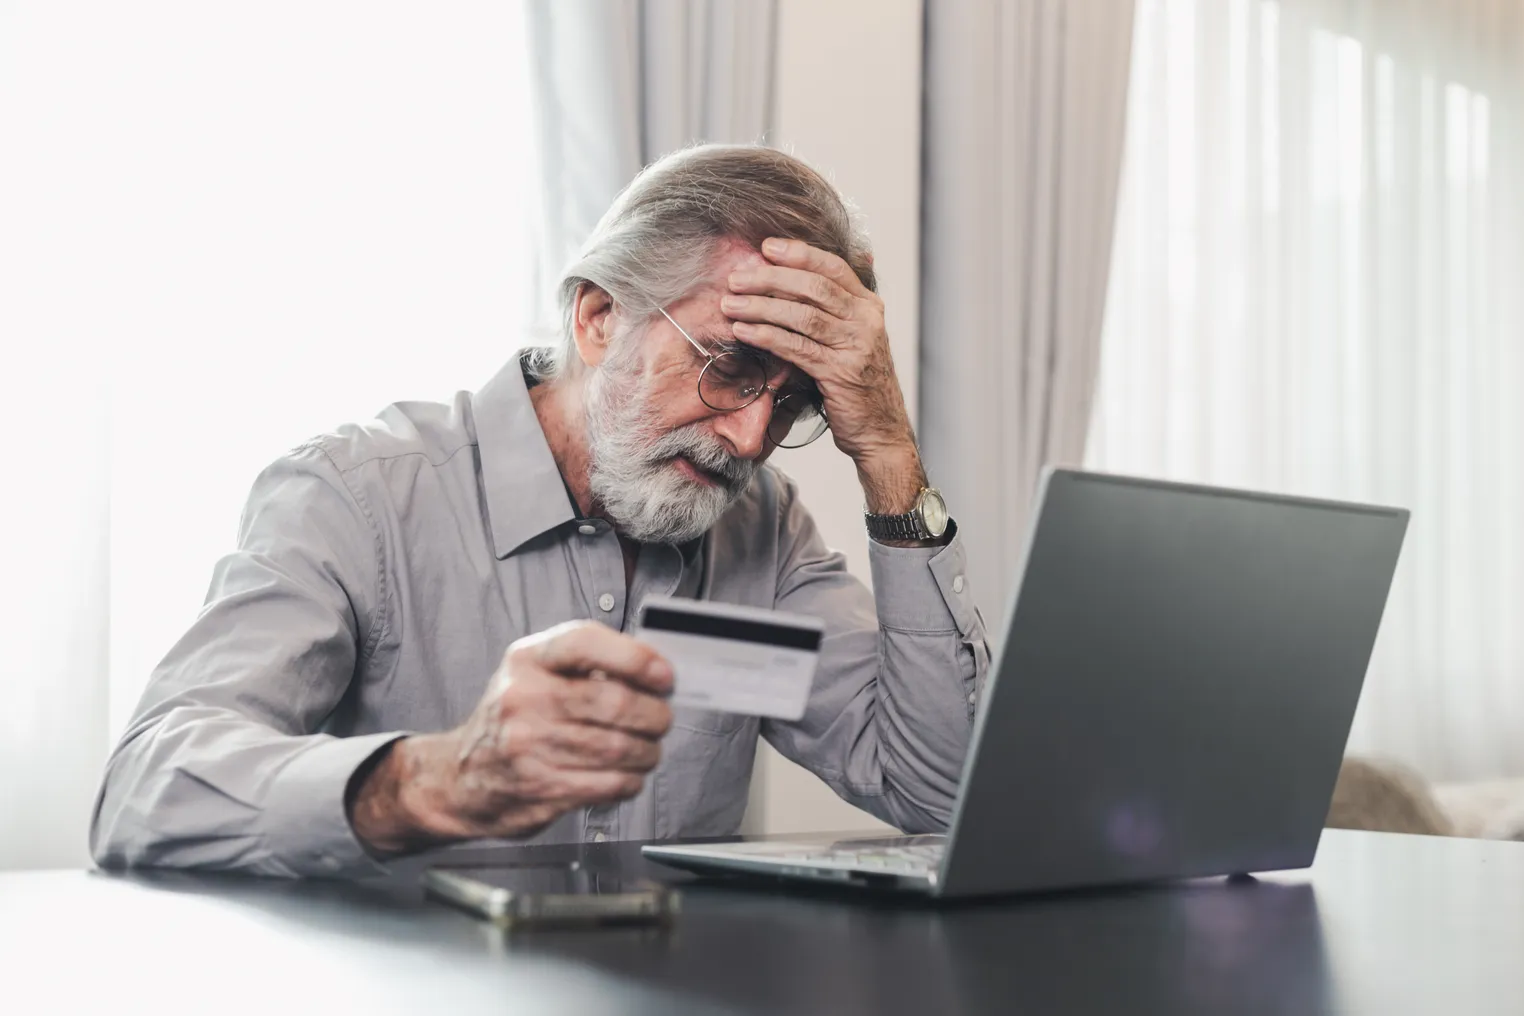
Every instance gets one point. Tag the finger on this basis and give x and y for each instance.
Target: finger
(798, 254)
(581, 787)
(615, 705)
(790, 315)
(582, 746)
(794, 284)
(799, 350)
(581, 647)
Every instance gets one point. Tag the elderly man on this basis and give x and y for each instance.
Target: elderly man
(419, 639)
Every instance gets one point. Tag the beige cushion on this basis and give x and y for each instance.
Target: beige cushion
(1386, 796)
(1492, 809)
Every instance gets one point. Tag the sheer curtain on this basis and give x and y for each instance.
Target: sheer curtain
(1314, 290)
(616, 84)
(1025, 102)
(223, 228)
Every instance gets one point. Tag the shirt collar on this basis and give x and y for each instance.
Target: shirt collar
(525, 493)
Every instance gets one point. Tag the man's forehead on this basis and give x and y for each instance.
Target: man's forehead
(733, 257)
(700, 314)
(699, 311)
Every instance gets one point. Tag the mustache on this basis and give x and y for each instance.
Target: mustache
(705, 451)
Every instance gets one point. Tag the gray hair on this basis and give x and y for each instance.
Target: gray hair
(658, 240)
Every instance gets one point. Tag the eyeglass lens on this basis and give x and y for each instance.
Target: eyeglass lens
(733, 381)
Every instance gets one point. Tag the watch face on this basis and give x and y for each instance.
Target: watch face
(934, 512)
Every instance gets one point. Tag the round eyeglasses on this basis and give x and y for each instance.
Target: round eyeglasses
(734, 379)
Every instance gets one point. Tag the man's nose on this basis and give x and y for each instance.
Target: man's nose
(745, 429)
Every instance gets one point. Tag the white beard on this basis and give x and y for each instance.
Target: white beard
(631, 475)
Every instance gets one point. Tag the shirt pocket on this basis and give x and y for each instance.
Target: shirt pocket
(702, 784)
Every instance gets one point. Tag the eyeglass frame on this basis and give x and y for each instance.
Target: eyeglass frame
(778, 395)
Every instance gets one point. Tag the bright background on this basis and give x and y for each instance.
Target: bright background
(1316, 290)
(223, 228)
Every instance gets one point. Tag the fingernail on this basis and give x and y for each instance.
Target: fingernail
(659, 669)
(732, 302)
(773, 245)
(740, 327)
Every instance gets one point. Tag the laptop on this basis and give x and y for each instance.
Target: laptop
(1172, 699)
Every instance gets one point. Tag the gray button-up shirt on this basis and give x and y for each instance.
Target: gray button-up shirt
(382, 571)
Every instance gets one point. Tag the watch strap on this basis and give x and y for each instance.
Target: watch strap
(904, 526)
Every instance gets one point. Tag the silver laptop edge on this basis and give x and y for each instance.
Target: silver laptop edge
(981, 712)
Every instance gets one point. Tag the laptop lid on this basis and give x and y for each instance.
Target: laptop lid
(1179, 674)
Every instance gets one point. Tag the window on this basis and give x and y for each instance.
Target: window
(223, 228)
(1312, 291)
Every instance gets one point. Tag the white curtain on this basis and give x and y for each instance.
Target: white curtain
(223, 228)
(1024, 111)
(1314, 291)
(618, 83)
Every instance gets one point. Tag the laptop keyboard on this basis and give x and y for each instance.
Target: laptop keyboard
(891, 861)
(909, 857)
(903, 855)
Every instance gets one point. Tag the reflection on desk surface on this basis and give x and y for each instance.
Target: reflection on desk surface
(1382, 924)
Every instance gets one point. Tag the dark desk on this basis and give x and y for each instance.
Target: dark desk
(1383, 924)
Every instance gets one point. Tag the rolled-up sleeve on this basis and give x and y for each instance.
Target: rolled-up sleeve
(224, 764)
(891, 712)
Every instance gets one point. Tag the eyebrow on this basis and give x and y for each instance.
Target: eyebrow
(771, 362)
(715, 337)
(717, 341)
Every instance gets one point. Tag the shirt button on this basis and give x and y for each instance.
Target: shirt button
(973, 697)
(599, 836)
(588, 530)
(957, 583)
(606, 601)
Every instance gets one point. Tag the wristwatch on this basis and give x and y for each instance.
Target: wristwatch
(927, 520)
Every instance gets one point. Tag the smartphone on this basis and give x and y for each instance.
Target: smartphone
(550, 896)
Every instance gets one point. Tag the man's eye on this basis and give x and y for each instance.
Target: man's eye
(765, 360)
(735, 369)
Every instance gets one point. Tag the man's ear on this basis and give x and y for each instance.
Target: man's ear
(592, 323)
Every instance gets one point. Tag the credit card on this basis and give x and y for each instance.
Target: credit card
(734, 659)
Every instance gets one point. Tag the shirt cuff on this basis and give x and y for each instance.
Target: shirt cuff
(311, 830)
(923, 589)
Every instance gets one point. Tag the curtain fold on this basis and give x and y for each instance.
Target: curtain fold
(617, 83)
(1024, 121)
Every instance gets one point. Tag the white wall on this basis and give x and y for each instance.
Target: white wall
(849, 102)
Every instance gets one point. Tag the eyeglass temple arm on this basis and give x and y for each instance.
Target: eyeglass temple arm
(684, 334)
(681, 331)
